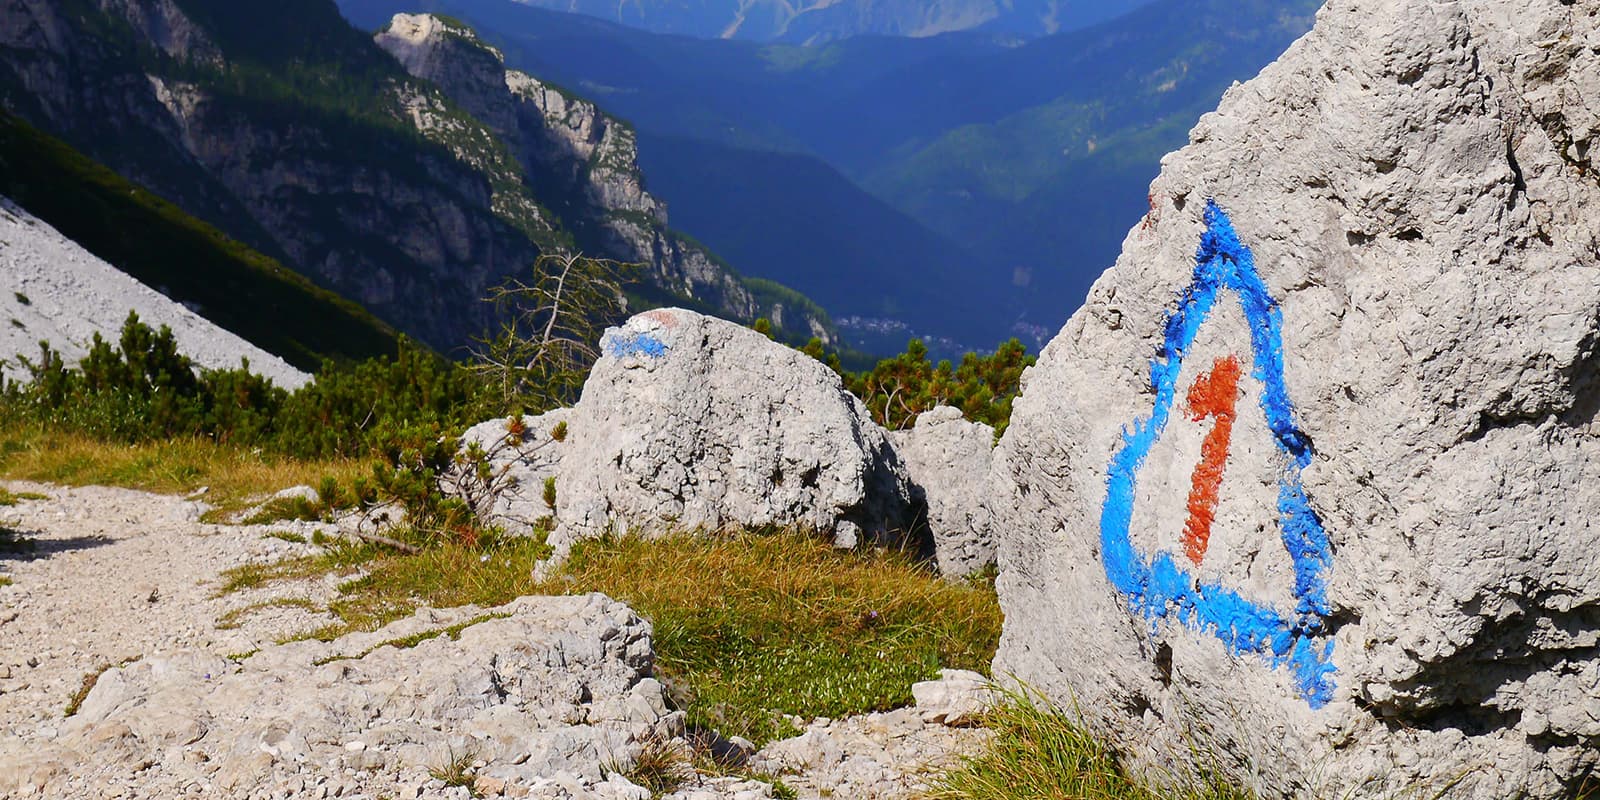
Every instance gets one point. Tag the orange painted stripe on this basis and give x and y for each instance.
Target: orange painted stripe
(1212, 395)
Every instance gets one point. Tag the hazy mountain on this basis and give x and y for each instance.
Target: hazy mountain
(1033, 160)
(804, 224)
(819, 21)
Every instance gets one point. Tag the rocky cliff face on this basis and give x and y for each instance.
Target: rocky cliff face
(586, 159)
(322, 151)
(347, 195)
(1305, 492)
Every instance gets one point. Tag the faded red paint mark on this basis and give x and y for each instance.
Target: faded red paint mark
(1212, 395)
(663, 316)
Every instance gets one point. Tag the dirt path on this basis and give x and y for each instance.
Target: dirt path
(116, 574)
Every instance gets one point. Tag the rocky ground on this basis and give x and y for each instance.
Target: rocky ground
(545, 694)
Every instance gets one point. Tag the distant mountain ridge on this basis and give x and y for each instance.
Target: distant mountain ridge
(296, 134)
(1025, 166)
(821, 21)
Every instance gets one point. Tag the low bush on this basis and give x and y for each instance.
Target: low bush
(897, 389)
(142, 389)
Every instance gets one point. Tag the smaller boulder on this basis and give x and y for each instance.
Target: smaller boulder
(522, 453)
(688, 422)
(949, 460)
(959, 698)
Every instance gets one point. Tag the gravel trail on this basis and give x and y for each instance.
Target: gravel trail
(117, 574)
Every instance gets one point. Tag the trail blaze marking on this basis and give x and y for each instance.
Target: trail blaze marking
(620, 343)
(1213, 395)
(1157, 586)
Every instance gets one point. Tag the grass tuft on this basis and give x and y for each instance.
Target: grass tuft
(455, 770)
(10, 498)
(752, 627)
(661, 766)
(1038, 751)
(408, 642)
(232, 619)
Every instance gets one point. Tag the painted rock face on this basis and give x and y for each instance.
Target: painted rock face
(1304, 492)
(1253, 597)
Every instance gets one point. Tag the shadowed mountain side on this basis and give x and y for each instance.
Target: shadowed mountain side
(793, 219)
(191, 262)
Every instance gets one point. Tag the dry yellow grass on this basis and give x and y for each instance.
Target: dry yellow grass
(175, 466)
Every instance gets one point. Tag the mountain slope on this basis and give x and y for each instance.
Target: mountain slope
(191, 262)
(295, 133)
(52, 290)
(1034, 159)
(851, 252)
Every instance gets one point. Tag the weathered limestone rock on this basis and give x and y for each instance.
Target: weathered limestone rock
(949, 459)
(958, 698)
(526, 458)
(541, 687)
(1307, 486)
(690, 422)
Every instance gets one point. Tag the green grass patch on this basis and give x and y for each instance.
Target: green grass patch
(5, 580)
(752, 627)
(387, 585)
(408, 642)
(1038, 751)
(10, 498)
(748, 628)
(286, 536)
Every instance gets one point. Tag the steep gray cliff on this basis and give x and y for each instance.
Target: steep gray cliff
(586, 161)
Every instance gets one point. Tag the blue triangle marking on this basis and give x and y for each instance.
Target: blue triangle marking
(1159, 588)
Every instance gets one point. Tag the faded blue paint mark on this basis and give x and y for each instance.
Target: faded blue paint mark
(618, 343)
(1160, 588)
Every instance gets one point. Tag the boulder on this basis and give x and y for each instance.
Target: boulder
(949, 459)
(1304, 493)
(692, 423)
(958, 698)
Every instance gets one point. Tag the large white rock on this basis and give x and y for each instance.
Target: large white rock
(1305, 492)
(693, 423)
